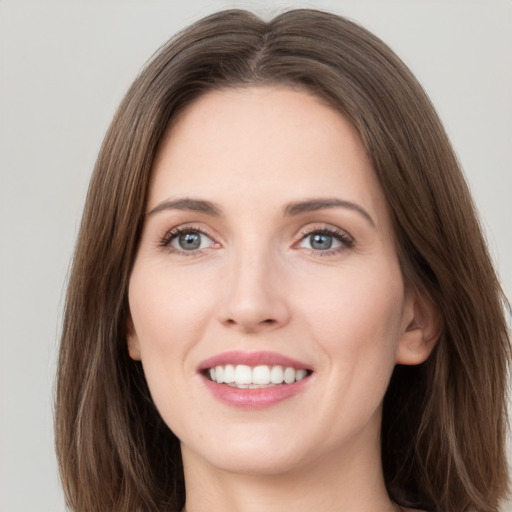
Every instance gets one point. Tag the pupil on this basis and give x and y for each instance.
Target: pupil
(190, 241)
(321, 241)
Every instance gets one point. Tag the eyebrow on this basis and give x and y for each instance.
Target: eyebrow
(187, 204)
(313, 205)
(291, 209)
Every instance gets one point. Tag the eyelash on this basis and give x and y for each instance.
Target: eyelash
(346, 241)
(176, 232)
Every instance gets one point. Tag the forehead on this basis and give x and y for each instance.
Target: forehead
(263, 143)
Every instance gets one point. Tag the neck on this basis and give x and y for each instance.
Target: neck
(328, 484)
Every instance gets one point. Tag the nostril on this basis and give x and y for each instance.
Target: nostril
(268, 321)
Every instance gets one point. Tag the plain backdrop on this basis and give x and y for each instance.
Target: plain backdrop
(64, 67)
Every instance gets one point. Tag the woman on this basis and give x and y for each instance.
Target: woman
(280, 296)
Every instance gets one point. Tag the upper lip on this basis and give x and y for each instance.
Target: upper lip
(235, 357)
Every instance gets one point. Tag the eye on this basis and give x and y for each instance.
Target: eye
(326, 241)
(321, 241)
(187, 240)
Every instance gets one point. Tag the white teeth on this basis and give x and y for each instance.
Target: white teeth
(243, 376)
(261, 375)
(276, 375)
(229, 373)
(299, 374)
(289, 375)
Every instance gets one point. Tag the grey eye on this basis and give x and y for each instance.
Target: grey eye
(191, 240)
(321, 241)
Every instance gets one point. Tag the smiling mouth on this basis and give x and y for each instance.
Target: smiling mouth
(242, 376)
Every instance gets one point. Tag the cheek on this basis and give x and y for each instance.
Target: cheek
(165, 304)
(169, 315)
(167, 319)
(356, 327)
(357, 316)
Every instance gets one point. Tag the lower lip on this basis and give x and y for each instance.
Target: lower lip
(259, 398)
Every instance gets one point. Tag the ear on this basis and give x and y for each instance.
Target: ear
(422, 326)
(132, 340)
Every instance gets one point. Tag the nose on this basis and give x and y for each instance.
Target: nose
(255, 296)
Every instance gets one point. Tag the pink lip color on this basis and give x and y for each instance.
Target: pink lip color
(252, 398)
(251, 359)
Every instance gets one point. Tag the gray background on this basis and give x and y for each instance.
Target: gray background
(64, 67)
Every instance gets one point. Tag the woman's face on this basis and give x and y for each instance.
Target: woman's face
(267, 254)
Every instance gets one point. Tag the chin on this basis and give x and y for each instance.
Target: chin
(249, 457)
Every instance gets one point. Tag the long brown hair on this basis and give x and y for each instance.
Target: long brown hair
(444, 421)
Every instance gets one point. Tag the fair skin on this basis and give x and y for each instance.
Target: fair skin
(285, 257)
